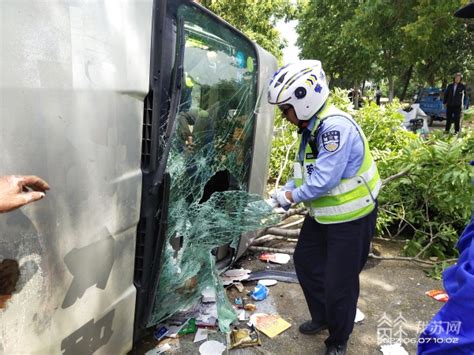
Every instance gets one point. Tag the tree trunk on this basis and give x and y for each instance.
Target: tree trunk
(408, 75)
(355, 95)
(391, 85)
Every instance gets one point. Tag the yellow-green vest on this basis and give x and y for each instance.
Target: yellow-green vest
(352, 198)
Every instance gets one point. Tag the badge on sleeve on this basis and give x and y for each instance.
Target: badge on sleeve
(331, 140)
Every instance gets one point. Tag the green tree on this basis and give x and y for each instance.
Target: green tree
(385, 40)
(326, 33)
(440, 43)
(257, 19)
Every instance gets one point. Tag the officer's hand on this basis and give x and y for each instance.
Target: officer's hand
(272, 202)
(283, 201)
(15, 191)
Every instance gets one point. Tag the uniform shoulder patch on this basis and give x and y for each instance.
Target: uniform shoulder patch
(331, 140)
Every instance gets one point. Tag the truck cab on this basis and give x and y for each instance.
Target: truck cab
(138, 114)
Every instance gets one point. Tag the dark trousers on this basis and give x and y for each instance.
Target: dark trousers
(453, 115)
(328, 259)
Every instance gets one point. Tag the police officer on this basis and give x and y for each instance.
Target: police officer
(336, 178)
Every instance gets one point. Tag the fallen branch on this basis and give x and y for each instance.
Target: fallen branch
(288, 233)
(292, 212)
(272, 250)
(297, 223)
(268, 238)
(396, 176)
(410, 259)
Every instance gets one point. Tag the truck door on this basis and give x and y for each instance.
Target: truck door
(210, 108)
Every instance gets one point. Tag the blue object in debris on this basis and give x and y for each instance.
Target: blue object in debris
(160, 333)
(259, 293)
(238, 301)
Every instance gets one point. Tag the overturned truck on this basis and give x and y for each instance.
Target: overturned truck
(149, 120)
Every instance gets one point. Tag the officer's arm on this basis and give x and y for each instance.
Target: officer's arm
(334, 142)
(289, 186)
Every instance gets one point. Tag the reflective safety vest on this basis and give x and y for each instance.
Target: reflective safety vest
(352, 198)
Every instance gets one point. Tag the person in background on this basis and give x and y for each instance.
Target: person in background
(453, 100)
(378, 95)
(17, 191)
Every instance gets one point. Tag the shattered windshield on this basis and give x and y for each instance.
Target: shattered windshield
(209, 164)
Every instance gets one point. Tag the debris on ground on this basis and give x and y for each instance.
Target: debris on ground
(189, 328)
(269, 324)
(208, 295)
(201, 335)
(160, 349)
(160, 332)
(278, 258)
(359, 316)
(267, 282)
(244, 336)
(233, 276)
(283, 276)
(239, 286)
(250, 307)
(393, 349)
(438, 295)
(212, 347)
(259, 293)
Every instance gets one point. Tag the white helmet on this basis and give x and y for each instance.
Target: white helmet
(301, 85)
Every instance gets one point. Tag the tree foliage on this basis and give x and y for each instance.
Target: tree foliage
(385, 40)
(257, 19)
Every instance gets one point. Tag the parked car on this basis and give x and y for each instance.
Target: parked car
(103, 99)
(431, 102)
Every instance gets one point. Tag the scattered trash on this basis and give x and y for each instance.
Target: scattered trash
(278, 258)
(359, 316)
(238, 286)
(283, 276)
(207, 315)
(211, 347)
(238, 301)
(174, 330)
(438, 295)
(232, 275)
(201, 335)
(189, 327)
(393, 349)
(250, 307)
(160, 349)
(208, 295)
(270, 325)
(259, 293)
(244, 337)
(241, 315)
(267, 282)
(160, 333)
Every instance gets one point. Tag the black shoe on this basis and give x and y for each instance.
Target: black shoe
(336, 349)
(310, 327)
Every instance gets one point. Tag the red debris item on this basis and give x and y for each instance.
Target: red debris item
(438, 295)
(278, 258)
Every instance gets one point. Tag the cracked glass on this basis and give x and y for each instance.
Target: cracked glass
(209, 165)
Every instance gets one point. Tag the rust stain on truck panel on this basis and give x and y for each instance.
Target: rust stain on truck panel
(9, 275)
